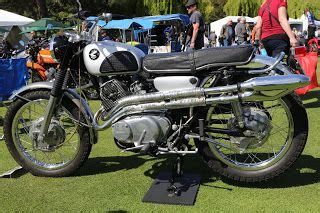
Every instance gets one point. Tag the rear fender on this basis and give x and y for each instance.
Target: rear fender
(70, 94)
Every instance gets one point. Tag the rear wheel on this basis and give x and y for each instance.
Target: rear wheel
(277, 136)
(66, 147)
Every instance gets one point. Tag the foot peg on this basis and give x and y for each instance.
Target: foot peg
(145, 149)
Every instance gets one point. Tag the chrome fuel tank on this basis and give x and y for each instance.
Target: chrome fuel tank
(112, 58)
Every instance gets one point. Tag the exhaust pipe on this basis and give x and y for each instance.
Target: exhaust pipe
(257, 89)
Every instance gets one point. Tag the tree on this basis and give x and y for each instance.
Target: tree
(296, 7)
(42, 8)
(242, 7)
(250, 7)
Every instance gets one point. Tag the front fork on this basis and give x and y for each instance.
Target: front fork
(47, 118)
(60, 83)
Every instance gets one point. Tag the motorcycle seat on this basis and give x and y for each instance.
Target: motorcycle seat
(193, 61)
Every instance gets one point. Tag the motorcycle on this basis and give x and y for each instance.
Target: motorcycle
(42, 66)
(245, 121)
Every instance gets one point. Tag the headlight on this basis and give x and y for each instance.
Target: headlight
(58, 47)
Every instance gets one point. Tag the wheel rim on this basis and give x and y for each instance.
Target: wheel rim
(59, 155)
(270, 153)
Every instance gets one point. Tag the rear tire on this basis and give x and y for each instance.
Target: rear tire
(300, 135)
(83, 151)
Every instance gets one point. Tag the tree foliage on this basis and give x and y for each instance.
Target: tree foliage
(211, 9)
(297, 7)
(251, 7)
(242, 7)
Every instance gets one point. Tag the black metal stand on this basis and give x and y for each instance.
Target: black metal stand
(176, 188)
(177, 172)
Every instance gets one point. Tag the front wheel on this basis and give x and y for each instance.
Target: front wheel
(66, 146)
(275, 136)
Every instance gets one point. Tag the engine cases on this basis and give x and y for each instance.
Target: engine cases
(141, 130)
(112, 58)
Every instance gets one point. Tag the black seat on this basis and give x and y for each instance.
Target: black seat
(190, 62)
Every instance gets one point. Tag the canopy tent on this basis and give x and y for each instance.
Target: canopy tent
(8, 19)
(148, 22)
(123, 24)
(101, 23)
(217, 25)
(2, 30)
(44, 24)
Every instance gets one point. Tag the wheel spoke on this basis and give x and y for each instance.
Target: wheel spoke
(47, 155)
(260, 155)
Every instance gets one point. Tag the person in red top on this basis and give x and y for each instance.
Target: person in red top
(273, 28)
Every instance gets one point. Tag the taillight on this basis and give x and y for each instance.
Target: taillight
(298, 51)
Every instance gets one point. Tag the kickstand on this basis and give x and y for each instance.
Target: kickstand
(177, 172)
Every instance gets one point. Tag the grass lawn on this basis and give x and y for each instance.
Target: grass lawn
(113, 181)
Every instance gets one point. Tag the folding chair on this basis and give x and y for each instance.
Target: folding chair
(13, 76)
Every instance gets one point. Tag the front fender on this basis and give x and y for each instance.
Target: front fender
(70, 94)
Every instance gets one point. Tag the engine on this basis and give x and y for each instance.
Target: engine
(142, 130)
(112, 91)
(134, 130)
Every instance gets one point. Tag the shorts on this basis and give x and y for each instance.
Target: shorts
(276, 44)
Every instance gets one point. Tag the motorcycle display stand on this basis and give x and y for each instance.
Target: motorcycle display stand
(2, 104)
(175, 188)
(15, 172)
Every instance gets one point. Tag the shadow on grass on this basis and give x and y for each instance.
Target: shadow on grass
(306, 170)
(101, 165)
(315, 94)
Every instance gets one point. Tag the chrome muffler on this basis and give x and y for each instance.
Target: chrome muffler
(267, 88)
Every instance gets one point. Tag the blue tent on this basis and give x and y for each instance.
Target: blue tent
(101, 23)
(123, 24)
(148, 22)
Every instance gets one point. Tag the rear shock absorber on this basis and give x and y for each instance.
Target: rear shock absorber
(236, 106)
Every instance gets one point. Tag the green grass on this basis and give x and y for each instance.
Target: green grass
(113, 181)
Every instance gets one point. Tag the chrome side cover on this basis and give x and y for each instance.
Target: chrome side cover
(175, 83)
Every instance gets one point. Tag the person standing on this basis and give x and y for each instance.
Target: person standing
(273, 27)
(196, 33)
(213, 39)
(311, 24)
(241, 32)
(227, 33)
(104, 36)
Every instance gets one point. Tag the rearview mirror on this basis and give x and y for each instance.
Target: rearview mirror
(107, 16)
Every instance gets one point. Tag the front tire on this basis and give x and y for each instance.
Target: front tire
(257, 174)
(45, 162)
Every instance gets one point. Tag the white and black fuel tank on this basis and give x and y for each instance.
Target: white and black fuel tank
(112, 58)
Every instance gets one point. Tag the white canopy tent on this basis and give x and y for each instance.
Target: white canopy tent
(301, 24)
(8, 19)
(217, 25)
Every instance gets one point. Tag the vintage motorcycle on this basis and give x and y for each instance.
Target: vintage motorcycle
(42, 66)
(234, 108)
